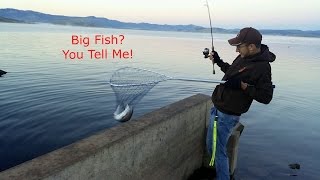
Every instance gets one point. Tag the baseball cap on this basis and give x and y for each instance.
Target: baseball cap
(247, 35)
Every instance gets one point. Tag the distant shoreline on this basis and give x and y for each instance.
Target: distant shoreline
(20, 16)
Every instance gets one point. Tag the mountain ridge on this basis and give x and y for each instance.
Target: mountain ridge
(29, 16)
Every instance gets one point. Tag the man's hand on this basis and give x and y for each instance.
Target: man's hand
(214, 57)
(244, 85)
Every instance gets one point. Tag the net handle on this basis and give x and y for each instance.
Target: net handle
(185, 79)
(166, 78)
(197, 80)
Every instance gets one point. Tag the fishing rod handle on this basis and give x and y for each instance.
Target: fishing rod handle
(212, 52)
(213, 71)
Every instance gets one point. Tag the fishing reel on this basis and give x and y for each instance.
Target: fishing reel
(206, 52)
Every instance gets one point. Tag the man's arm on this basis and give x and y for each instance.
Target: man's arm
(263, 90)
(223, 66)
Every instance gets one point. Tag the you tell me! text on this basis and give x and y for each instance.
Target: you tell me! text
(102, 53)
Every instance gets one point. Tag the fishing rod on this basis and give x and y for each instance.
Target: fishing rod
(206, 55)
(206, 51)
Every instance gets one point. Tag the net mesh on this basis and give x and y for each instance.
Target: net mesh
(130, 85)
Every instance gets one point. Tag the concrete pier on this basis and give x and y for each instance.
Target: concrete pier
(168, 143)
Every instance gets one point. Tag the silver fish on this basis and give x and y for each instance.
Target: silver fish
(123, 114)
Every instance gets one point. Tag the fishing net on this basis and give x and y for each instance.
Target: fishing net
(131, 84)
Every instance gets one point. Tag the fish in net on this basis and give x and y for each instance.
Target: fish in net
(131, 84)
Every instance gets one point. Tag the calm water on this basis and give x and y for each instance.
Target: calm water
(47, 102)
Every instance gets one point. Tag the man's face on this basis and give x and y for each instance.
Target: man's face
(243, 50)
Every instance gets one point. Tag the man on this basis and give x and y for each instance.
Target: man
(248, 78)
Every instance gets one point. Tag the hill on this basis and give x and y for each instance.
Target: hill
(92, 21)
(8, 20)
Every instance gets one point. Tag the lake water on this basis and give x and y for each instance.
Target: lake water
(47, 102)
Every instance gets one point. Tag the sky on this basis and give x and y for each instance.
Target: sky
(261, 14)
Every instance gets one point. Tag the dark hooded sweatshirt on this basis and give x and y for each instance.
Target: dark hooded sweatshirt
(254, 70)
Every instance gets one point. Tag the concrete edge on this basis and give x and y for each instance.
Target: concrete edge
(55, 161)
